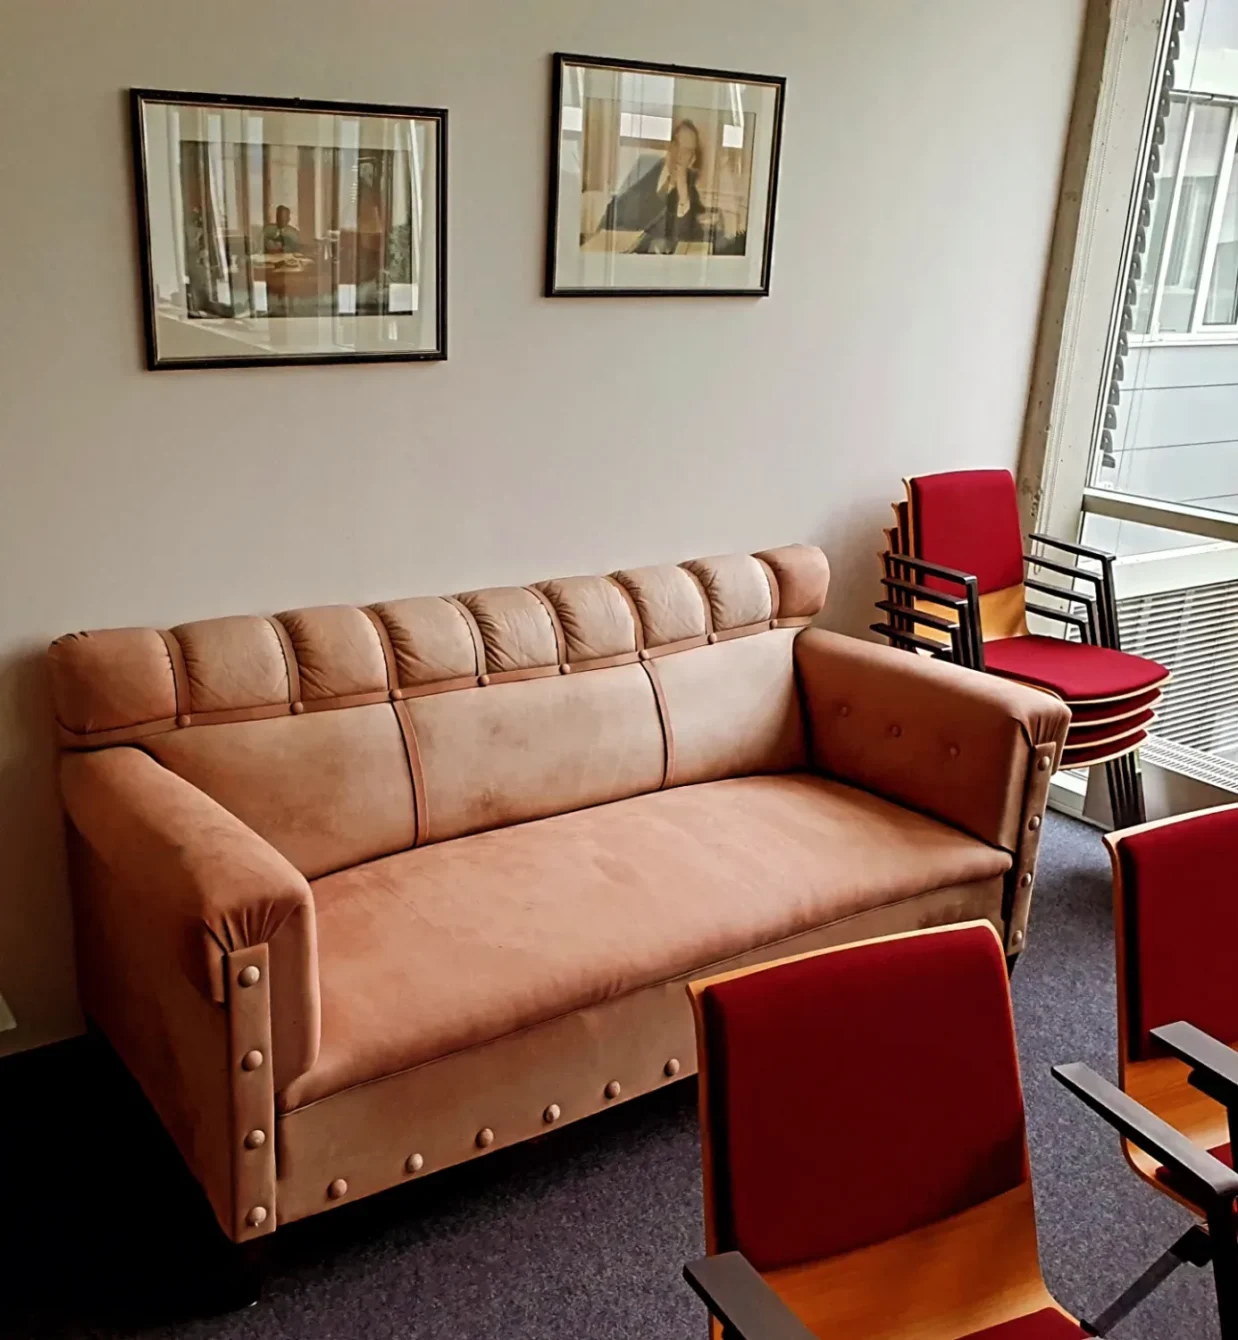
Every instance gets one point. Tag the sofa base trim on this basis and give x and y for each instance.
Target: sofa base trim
(403, 1127)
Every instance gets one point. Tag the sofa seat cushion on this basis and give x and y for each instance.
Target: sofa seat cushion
(434, 950)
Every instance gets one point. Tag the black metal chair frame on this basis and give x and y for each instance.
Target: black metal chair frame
(1097, 625)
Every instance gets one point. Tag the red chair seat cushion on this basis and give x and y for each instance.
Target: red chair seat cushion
(1113, 730)
(1045, 1325)
(1166, 1175)
(1072, 670)
(1118, 710)
(1085, 754)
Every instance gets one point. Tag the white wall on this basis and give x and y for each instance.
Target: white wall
(919, 176)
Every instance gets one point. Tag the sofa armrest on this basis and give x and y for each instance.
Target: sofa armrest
(191, 877)
(971, 749)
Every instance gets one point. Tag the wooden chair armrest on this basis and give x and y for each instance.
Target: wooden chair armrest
(903, 639)
(1066, 569)
(1081, 550)
(1214, 1066)
(741, 1300)
(1208, 1182)
(925, 593)
(1060, 615)
(933, 569)
(970, 642)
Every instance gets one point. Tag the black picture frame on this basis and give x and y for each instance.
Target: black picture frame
(559, 62)
(142, 97)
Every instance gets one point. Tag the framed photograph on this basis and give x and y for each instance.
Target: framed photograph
(277, 231)
(663, 179)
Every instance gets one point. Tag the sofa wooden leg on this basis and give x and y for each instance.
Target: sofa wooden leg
(242, 1277)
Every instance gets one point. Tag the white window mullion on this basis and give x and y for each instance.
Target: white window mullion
(1214, 222)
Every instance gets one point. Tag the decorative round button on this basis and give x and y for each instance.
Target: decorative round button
(483, 680)
(1033, 823)
(844, 710)
(182, 720)
(255, 1139)
(1043, 765)
(711, 638)
(338, 1189)
(1016, 939)
(485, 1138)
(565, 669)
(551, 1114)
(671, 1068)
(256, 1216)
(298, 708)
(896, 731)
(414, 1163)
(642, 655)
(251, 1060)
(613, 1089)
(250, 976)
(1025, 880)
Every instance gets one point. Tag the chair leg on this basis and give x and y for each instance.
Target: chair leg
(1117, 794)
(1222, 1231)
(1140, 814)
(241, 1278)
(1193, 1246)
(1125, 791)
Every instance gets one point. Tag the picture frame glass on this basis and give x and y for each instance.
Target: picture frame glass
(280, 233)
(664, 179)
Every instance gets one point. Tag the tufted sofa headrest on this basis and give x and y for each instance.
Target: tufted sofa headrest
(120, 685)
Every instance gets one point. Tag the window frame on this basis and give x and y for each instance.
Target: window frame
(1121, 89)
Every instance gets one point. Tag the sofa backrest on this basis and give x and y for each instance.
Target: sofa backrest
(342, 733)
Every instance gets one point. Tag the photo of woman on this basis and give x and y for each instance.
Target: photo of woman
(663, 204)
(660, 172)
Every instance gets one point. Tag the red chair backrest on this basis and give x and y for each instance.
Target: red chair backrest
(860, 1094)
(1179, 906)
(969, 519)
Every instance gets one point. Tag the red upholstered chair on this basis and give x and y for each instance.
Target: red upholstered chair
(1175, 886)
(864, 1153)
(957, 583)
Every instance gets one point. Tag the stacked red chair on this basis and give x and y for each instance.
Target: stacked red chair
(959, 585)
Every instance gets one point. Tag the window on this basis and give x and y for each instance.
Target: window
(1193, 200)
(1146, 416)
(1169, 430)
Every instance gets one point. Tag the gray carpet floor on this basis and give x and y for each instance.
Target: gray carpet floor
(581, 1234)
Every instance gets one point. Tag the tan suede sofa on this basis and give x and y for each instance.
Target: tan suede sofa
(364, 892)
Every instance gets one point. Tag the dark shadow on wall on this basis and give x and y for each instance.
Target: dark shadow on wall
(36, 942)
